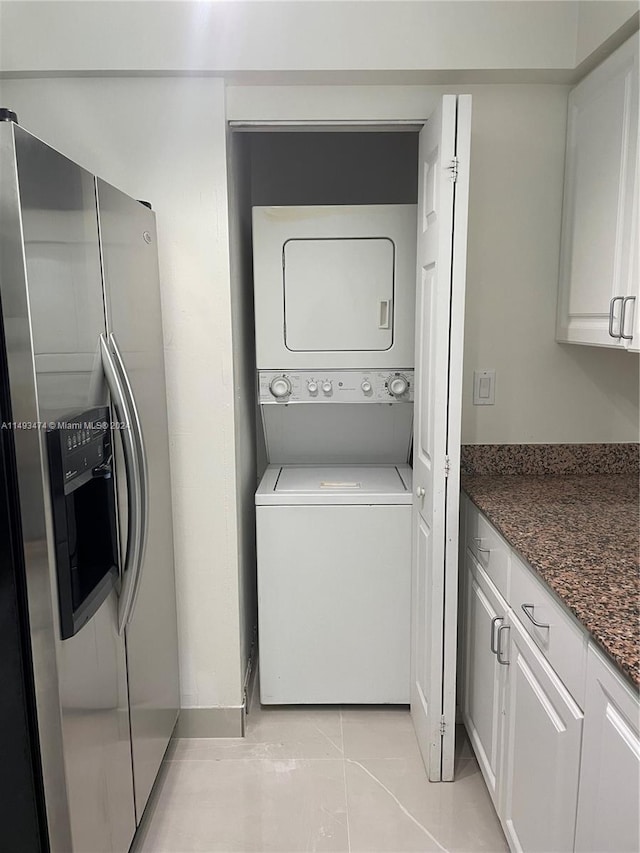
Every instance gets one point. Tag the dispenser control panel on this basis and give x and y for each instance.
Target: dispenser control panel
(83, 442)
(336, 386)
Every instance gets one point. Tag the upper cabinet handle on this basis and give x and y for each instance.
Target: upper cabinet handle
(385, 314)
(612, 305)
(529, 607)
(623, 317)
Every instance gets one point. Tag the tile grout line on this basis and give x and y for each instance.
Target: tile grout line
(344, 776)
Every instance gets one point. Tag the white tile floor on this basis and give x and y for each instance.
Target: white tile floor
(317, 779)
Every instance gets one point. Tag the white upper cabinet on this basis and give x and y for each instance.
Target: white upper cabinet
(598, 294)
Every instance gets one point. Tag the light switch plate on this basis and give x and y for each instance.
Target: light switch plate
(484, 387)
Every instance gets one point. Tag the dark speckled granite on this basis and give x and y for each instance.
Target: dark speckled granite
(580, 534)
(551, 458)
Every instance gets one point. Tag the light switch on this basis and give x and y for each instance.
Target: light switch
(484, 387)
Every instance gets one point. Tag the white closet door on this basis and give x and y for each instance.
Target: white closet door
(442, 229)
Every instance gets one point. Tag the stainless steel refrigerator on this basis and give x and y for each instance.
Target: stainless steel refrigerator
(86, 498)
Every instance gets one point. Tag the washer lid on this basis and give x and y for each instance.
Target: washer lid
(335, 484)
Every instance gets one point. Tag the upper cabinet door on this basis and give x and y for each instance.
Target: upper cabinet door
(597, 278)
(338, 294)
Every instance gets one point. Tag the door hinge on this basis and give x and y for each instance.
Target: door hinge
(443, 725)
(447, 466)
(453, 169)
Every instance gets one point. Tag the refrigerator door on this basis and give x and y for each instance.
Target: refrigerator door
(64, 321)
(134, 325)
(22, 811)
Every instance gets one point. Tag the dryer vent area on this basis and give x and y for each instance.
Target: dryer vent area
(332, 311)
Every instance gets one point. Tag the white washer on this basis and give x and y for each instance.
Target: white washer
(334, 583)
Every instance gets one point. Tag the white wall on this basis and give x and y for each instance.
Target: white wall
(164, 140)
(287, 36)
(244, 372)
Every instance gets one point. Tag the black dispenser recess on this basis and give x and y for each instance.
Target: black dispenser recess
(84, 514)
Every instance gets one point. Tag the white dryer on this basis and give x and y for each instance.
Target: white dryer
(334, 286)
(334, 583)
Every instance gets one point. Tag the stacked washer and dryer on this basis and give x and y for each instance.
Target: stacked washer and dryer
(334, 310)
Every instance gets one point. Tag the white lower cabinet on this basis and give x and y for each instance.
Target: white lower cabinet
(542, 729)
(483, 676)
(609, 798)
(554, 726)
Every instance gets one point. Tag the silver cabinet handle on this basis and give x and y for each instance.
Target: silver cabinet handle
(143, 476)
(612, 306)
(623, 318)
(499, 650)
(528, 611)
(482, 550)
(420, 492)
(133, 476)
(492, 643)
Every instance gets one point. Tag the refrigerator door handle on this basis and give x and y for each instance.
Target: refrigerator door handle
(143, 475)
(133, 476)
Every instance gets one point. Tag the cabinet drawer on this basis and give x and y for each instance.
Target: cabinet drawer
(562, 641)
(489, 548)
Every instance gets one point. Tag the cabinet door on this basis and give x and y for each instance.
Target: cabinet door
(610, 769)
(597, 226)
(632, 303)
(538, 786)
(483, 675)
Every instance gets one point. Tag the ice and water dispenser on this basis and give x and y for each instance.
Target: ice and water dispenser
(84, 514)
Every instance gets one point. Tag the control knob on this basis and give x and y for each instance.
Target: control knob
(327, 387)
(397, 385)
(280, 387)
(366, 386)
(312, 387)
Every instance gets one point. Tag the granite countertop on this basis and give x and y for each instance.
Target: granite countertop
(579, 532)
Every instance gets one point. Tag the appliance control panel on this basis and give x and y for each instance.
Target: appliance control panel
(336, 386)
(82, 442)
